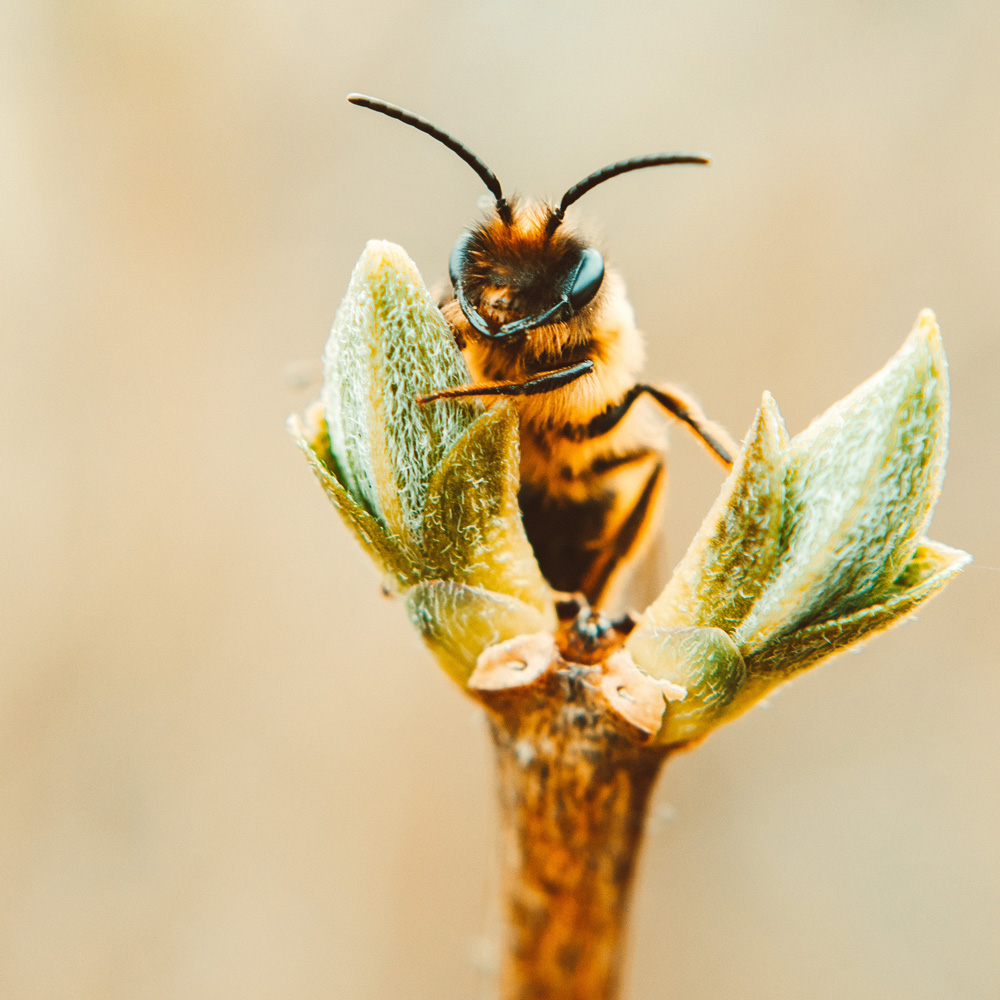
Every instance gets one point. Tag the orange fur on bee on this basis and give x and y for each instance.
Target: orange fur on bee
(588, 500)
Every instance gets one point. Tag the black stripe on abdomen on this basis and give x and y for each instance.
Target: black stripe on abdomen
(602, 464)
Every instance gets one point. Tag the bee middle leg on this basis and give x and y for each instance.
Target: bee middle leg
(687, 411)
(674, 402)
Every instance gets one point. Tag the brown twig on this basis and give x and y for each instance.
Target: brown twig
(574, 780)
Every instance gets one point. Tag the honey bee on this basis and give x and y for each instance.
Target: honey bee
(539, 318)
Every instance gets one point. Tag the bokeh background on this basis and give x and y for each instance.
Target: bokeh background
(227, 768)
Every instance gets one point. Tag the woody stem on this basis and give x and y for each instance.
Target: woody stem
(574, 783)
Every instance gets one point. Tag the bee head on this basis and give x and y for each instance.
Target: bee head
(513, 274)
(518, 269)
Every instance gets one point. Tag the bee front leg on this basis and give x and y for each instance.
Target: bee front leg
(545, 382)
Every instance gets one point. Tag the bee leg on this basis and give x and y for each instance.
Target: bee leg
(546, 382)
(626, 539)
(687, 411)
(674, 402)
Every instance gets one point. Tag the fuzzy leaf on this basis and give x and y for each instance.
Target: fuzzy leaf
(390, 553)
(388, 344)
(472, 526)
(705, 661)
(729, 560)
(458, 622)
(931, 567)
(859, 490)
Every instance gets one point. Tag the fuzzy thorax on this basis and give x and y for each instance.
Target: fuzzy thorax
(511, 276)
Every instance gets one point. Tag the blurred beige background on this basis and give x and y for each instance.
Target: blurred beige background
(227, 769)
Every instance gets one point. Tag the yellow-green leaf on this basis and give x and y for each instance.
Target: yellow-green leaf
(388, 344)
(472, 529)
(931, 567)
(705, 661)
(458, 622)
(390, 553)
(861, 483)
(729, 560)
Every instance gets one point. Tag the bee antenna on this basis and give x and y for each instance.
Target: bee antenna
(409, 118)
(579, 189)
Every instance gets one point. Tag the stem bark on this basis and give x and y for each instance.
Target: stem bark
(574, 781)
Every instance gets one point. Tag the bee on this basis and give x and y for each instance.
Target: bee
(539, 318)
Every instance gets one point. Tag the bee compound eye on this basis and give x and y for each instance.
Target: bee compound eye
(587, 279)
(457, 260)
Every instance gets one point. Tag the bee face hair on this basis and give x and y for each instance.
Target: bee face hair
(516, 276)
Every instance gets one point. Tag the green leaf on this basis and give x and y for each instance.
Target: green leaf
(931, 567)
(390, 343)
(728, 562)
(705, 661)
(390, 553)
(859, 490)
(458, 622)
(472, 527)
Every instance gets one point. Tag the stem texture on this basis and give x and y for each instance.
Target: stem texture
(574, 782)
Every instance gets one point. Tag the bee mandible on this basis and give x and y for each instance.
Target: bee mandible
(538, 317)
